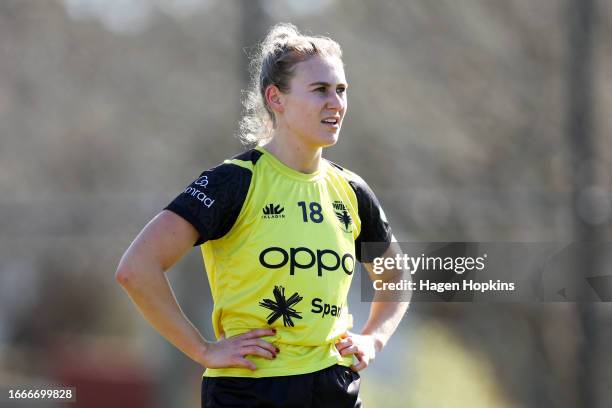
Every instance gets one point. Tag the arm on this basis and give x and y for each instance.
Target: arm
(386, 313)
(141, 273)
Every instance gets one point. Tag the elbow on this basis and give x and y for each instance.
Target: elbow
(133, 273)
(127, 274)
(123, 276)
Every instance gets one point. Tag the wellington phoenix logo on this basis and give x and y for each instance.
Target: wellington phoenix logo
(343, 216)
(273, 211)
(282, 307)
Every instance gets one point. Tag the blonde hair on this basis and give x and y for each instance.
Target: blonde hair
(272, 64)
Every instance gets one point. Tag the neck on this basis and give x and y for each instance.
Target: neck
(296, 155)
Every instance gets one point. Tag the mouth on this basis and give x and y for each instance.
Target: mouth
(332, 122)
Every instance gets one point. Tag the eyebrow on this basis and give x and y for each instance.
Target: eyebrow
(326, 84)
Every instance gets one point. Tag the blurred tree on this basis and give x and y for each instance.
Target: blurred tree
(581, 132)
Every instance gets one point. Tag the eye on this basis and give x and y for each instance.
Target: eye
(341, 90)
(320, 89)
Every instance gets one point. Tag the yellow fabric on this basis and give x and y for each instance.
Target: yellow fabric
(240, 283)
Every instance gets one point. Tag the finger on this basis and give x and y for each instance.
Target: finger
(359, 366)
(261, 343)
(243, 362)
(344, 343)
(361, 363)
(345, 340)
(349, 350)
(257, 351)
(343, 346)
(258, 333)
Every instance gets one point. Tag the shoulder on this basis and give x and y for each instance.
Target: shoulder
(237, 169)
(246, 159)
(374, 224)
(343, 171)
(212, 202)
(357, 183)
(367, 200)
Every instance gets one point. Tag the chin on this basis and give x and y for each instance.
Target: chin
(331, 143)
(328, 139)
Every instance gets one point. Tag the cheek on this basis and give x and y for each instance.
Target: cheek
(303, 111)
(305, 114)
(311, 117)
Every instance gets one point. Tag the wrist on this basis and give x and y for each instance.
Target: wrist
(377, 339)
(202, 353)
(379, 342)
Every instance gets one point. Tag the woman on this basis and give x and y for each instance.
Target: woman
(280, 230)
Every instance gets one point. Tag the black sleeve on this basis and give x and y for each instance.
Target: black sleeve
(374, 225)
(213, 201)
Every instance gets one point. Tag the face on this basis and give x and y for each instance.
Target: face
(314, 107)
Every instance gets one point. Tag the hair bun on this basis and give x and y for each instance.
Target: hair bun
(279, 34)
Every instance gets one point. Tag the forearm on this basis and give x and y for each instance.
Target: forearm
(388, 307)
(155, 300)
(383, 321)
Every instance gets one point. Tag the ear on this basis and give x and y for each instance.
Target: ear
(274, 99)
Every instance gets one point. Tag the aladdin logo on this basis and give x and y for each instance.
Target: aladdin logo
(273, 211)
(304, 258)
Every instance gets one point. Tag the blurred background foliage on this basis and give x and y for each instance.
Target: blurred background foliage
(460, 118)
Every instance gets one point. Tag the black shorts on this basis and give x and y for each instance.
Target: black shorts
(336, 386)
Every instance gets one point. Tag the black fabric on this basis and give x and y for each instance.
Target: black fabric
(332, 387)
(213, 201)
(339, 167)
(250, 155)
(374, 226)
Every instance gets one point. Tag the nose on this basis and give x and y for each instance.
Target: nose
(336, 102)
